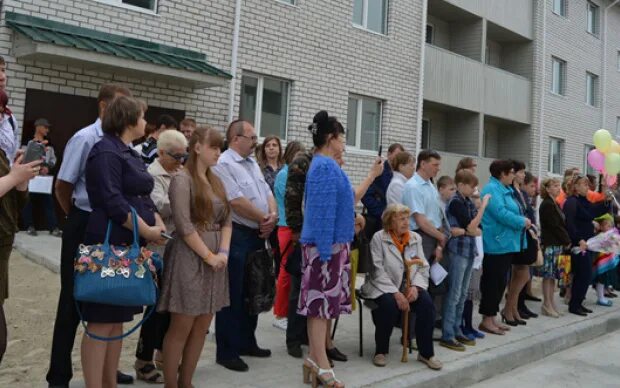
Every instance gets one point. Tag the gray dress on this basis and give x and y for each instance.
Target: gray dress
(190, 286)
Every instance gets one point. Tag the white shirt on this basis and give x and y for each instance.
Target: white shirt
(394, 193)
(8, 137)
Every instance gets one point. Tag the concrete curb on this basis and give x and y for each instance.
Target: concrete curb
(31, 255)
(511, 355)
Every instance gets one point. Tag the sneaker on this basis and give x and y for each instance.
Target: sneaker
(604, 303)
(32, 231)
(452, 345)
(56, 232)
(281, 324)
(432, 362)
(379, 360)
(477, 334)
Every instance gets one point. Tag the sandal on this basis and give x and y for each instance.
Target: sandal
(158, 360)
(329, 382)
(309, 370)
(490, 331)
(146, 371)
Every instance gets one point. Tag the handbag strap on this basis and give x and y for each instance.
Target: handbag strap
(118, 337)
(134, 221)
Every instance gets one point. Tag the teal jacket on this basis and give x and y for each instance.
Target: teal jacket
(503, 222)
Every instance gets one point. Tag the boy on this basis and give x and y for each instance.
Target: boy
(464, 220)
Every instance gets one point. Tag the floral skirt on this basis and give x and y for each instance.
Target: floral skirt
(325, 286)
(549, 269)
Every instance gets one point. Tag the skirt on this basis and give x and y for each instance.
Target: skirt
(549, 269)
(325, 286)
(527, 256)
(604, 268)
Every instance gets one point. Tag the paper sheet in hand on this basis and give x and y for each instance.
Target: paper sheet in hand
(478, 259)
(438, 273)
(41, 184)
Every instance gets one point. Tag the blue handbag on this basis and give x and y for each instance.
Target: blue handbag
(116, 275)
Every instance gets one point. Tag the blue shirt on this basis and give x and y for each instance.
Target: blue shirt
(422, 197)
(375, 198)
(279, 189)
(73, 165)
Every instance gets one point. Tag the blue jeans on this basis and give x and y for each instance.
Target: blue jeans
(459, 276)
(50, 213)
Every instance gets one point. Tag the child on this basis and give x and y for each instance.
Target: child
(464, 220)
(446, 188)
(607, 244)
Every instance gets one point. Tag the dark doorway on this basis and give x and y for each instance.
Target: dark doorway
(67, 114)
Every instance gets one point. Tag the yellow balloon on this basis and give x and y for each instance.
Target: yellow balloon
(612, 163)
(614, 147)
(602, 140)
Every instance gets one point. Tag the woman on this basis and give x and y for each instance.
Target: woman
(283, 285)
(503, 225)
(195, 274)
(404, 167)
(172, 152)
(391, 248)
(555, 240)
(467, 163)
(116, 181)
(580, 213)
(327, 232)
(269, 158)
(515, 309)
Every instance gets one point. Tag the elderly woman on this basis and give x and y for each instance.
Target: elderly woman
(404, 167)
(394, 249)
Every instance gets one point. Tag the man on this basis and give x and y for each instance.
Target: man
(149, 147)
(71, 194)
(41, 131)
(254, 217)
(374, 200)
(187, 128)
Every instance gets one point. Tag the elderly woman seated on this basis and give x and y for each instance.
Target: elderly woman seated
(393, 249)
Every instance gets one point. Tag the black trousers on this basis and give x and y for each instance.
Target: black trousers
(152, 332)
(493, 282)
(296, 330)
(387, 315)
(67, 320)
(581, 268)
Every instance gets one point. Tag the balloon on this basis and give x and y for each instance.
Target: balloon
(611, 180)
(614, 147)
(602, 140)
(612, 163)
(596, 160)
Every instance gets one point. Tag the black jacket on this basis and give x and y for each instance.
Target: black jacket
(552, 225)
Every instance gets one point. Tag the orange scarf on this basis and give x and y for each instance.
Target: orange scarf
(401, 242)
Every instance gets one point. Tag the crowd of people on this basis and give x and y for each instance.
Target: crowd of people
(223, 198)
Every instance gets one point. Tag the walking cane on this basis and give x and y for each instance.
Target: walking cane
(408, 263)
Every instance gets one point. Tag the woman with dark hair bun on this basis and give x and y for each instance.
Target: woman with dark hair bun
(326, 236)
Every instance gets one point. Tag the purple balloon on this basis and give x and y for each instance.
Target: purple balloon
(596, 159)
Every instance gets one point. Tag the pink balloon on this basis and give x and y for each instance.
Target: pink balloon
(611, 180)
(596, 159)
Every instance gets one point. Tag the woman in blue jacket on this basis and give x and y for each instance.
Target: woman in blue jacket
(503, 225)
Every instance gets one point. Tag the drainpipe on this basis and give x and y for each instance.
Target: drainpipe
(604, 66)
(233, 61)
(543, 90)
(418, 133)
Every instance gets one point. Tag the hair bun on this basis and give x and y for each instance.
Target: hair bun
(320, 121)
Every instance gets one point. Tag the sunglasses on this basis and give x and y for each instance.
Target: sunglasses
(178, 157)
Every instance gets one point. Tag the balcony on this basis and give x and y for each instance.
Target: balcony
(455, 80)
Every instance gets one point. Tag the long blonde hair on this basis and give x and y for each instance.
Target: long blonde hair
(202, 202)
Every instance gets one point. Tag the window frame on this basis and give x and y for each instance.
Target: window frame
(432, 27)
(596, 26)
(120, 4)
(586, 166)
(550, 155)
(292, 3)
(358, 121)
(617, 132)
(258, 108)
(563, 10)
(364, 24)
(561, 77)
(595, 83)
(428, 137)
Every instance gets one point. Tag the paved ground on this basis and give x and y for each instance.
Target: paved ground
(593, 364)
(31, 311)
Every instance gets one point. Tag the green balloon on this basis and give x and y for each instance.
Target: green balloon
(602, 140)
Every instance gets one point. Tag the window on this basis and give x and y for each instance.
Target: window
(617, 134)
(558, 76)
(618, 59)
(559, 7)
(140, 5)
(593, 23)
(430, 33)
(371, 15)
(426, 134)
(591, 89)
(292, 2)
(264, 103)
(364, 122)
(556, 154)
(586, 166)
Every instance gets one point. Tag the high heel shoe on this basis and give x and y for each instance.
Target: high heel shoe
(327, 382)
(309, 371)
(509, 322)
(548, 312)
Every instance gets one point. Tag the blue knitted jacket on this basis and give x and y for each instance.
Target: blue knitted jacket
(328, 209)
